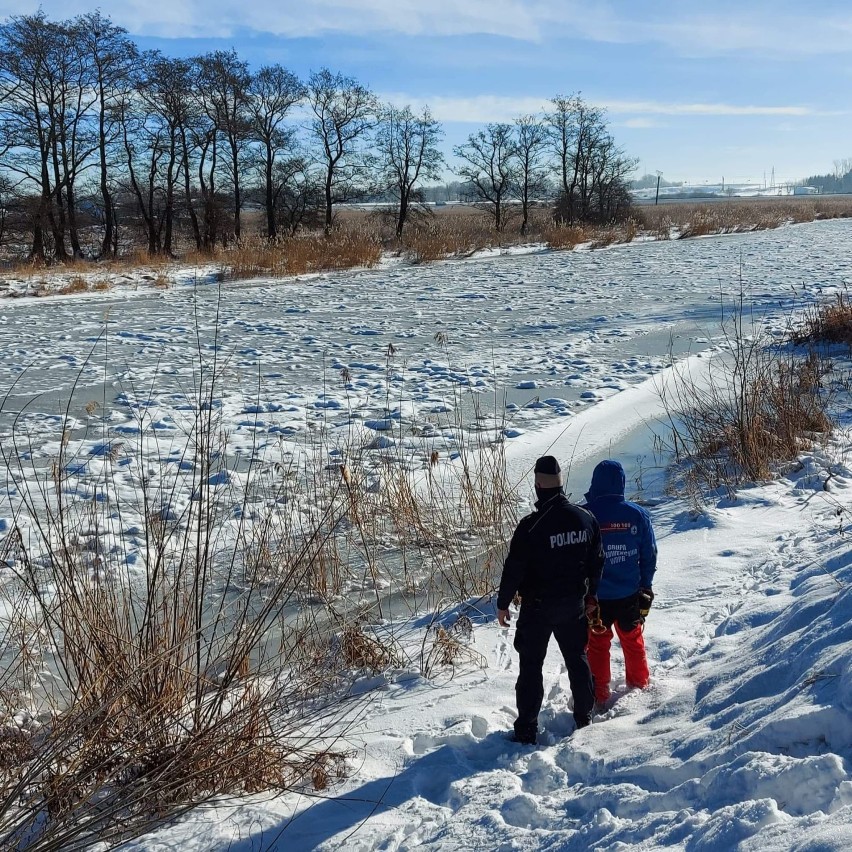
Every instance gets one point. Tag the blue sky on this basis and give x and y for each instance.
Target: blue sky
(698, 91)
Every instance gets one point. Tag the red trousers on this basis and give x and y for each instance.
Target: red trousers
(632, 645)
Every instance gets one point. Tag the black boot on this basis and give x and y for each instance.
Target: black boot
(525, 734)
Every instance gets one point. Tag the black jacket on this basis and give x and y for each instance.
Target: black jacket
(555, 553)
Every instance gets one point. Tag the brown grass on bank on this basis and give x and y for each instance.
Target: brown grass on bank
(432, 234)
(220, 662)
(131, 261)
(559, 236)
(757, 408)
(72, 287)
(830, 322)
(442, 239)
(78, 284)
(687, 219)
(459, 231)
(303, 253)
(462, 232)
(128, 696)
(450, 647)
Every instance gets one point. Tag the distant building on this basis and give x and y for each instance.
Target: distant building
(805, 190)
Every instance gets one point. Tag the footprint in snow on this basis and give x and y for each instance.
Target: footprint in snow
(504, 652)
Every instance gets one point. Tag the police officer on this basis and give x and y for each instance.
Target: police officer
(554, 563)
(624, 591)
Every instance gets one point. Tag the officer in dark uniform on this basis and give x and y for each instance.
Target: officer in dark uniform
(554, 564)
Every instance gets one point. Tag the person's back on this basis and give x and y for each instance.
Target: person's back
(624, 591)
(554, 560)
(556, 541)
(628, 537)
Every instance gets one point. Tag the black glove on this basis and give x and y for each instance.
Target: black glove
(644, 599)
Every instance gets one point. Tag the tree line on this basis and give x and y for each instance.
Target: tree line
(97, 136)
(838, 181)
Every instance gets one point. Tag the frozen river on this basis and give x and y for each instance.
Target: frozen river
(103, 395)
(558, 326)
(404, 354)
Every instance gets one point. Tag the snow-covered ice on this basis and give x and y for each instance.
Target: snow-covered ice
(744, 738)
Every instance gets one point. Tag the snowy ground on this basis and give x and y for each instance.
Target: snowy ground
(742, 741)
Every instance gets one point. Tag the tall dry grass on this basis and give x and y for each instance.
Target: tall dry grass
(828, 322)
(130, 694)
(757, 407)
(300, 254)
(214, 655)
(362, 236)
(459, 232)
(685, 219)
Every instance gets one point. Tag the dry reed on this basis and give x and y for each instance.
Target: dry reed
(758, 408)
(301, 254)
(445, 232)
(829, 322)
(219, 665)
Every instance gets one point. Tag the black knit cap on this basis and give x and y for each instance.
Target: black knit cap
(548, 474)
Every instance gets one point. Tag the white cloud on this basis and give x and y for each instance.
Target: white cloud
(780, 28)
(478, 109)
(188, 18)
(640, 123)
(662, 108)
(495, 108)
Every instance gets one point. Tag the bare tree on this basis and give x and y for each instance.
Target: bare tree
(5, 197)
(299, 193)
(588, 161)
(610, 175)
(46, 128)
(574, 127)
(272, 93)
(112, 57)
(142, 139)
(76, 140)
(407, 147)
(842, 167)
(344, 112)
(155, 121)
(487, 158)
(224, 82)
(530, 180)
(27, 43)
(183, 105)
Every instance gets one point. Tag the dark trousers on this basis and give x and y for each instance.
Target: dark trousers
(537, 622)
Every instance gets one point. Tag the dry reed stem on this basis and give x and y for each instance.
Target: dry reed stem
(455, 231)
(301, 254)
(760, 409)
(829, 322)
(157, 697)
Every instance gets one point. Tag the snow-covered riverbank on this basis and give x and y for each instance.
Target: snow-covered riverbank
(742, 741)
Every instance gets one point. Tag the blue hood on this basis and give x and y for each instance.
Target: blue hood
(607, 480)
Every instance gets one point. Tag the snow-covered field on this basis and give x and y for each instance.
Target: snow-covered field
(742, 741)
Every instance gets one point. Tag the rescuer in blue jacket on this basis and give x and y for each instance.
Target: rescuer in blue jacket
(625, 588)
